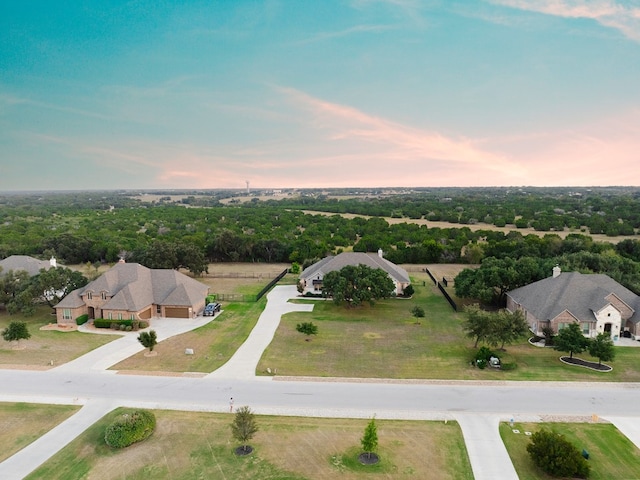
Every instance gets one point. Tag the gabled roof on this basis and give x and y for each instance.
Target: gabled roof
(373, 260)
(580, 294)
(23, 262)
(133, 287)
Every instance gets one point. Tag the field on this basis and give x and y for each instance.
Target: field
(611, 454)
(190, 445)
(45, 346)
(480, 226)
(22, 423)
(386, 341)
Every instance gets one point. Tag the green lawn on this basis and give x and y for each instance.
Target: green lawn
(189, 445)
(611, 454)
(386, 341)
(22, 423)
(46, 345)
(213, 344)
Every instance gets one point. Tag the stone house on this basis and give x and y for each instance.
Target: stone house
(596, 302)
(130, 291)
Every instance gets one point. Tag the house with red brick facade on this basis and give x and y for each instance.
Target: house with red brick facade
(596, 302)
(130, 291)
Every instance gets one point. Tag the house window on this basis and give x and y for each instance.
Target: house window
(159, 309)
(66, 314)
(132, 317)
(562, 325)
(119, 316)
(585, 328)
(103, 295)
(110, 316)
(89, 295)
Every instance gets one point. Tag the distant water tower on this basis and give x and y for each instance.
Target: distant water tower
(247, 182)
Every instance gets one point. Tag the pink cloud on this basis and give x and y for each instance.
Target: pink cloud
(623, 18)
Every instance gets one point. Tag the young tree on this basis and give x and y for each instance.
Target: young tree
(244, 426)
(602, 348)
(408, 291)
(369, 440)
(570, 339)
(555, 455)
(15, 332)
(417, 311)
(307, 328)
(478, 324)
(148, 339)
(507, 327)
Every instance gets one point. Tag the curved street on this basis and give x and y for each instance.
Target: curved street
(477, 406)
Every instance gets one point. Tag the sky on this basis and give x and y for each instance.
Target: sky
(169, 94)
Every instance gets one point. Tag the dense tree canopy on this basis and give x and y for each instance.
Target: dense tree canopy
(570, 339)
(354, 285)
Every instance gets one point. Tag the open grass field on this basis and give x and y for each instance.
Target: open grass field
(480, 226)
(189, 445)
(213, 344)
(22, 423)
(611, 454)
(45, 346)
(386, 341)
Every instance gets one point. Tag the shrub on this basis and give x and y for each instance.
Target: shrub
(128, 328)
(144, 324)
(209, 299)
(408, 291)
(130, 428)
(555, 455)
(417, 311)
(313, 295)
(113, 324)
(508, 366)
(485, 353)
(82, 319)
(135, 325)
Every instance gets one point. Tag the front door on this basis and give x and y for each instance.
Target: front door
(607, 328)
(92, 313)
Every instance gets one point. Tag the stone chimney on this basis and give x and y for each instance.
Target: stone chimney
(380, 253)
(556, 271)
(53, 263)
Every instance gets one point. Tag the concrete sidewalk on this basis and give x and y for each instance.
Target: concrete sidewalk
(242, 365)
(487, 454)
(35, 454)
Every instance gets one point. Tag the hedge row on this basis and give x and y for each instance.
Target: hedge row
(130, 428)
(119, 324)
(82, 319)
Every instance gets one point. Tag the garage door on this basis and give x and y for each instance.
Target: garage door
(176, 312)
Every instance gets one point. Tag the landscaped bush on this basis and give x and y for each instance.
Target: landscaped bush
(508, 366)
(82, 319)
(130, 428)
(313, 295)
(114, 324)
(556, 455)
(144, 324)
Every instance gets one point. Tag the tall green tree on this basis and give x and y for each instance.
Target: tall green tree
(507, 328)
(602, 348)
(478, 323)
(53, 284)
(16, 331)
(244, 426)
(570, 339)
(354, 285)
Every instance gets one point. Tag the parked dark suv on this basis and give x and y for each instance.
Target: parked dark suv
(211, 309)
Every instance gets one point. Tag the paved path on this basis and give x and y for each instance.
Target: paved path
(244, 362)
(473, 406)
(32, 456)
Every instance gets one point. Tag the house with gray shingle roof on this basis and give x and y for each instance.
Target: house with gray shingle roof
(25, 263)
(130, 291)
(311, 277)
(594, 301)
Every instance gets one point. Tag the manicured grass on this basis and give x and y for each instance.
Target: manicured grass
(188, 445)
(46, 345)
(213, 344)
(386, 341)
(611, 454)
(22, 423)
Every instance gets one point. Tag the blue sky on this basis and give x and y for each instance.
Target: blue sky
(309, 93)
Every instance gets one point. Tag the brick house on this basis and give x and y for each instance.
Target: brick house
(311, 277)
(595, 301)
(130, 291)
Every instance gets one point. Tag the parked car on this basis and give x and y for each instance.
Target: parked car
(211, 309)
